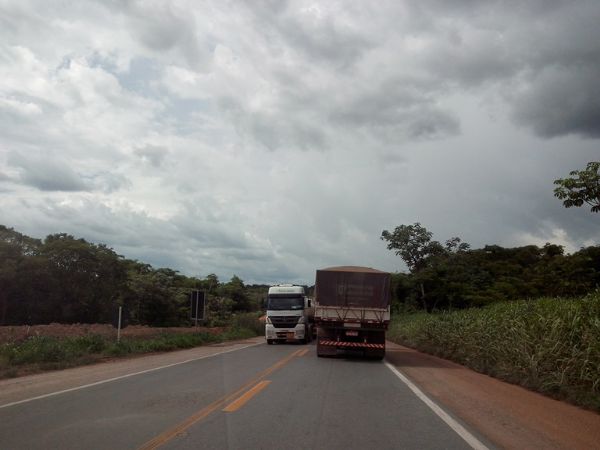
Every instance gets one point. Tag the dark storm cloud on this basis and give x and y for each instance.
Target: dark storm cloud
(163, 27)
(276, 132)
(321, 38)
(324, 42)
(398, 108)
(562, 102)
(47, 174)
(209, 232)
(544, 57)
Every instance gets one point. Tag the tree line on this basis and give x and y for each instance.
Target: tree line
(454, 276)
(69, 280)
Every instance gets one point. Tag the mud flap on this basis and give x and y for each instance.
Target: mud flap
(325, 350)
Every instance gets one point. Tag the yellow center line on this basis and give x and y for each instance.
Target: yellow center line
(169, 434)
(241, 401)
(303, 352)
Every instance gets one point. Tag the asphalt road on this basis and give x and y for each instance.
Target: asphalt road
(269, 397)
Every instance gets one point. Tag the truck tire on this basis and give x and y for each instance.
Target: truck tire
(379, 356)
(319, 350)
(376, 355)
(306, 339)
(270, 341)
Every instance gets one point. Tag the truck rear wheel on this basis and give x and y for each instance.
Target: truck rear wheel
(319, 350)
(375, 354)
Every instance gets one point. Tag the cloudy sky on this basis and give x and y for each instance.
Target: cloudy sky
(270, 138)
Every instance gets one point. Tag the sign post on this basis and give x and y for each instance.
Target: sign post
(119, 319)
(119, 326)
(197, 306)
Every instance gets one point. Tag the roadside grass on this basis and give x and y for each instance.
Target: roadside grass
(550, 345)
(40, 353)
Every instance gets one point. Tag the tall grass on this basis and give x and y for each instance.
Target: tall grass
(551, 345)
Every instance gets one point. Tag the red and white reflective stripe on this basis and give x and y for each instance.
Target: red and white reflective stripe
(351, 344)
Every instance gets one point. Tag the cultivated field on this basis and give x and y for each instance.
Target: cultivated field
(551, 345)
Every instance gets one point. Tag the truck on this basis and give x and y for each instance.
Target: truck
(290, 314)
(352, 310)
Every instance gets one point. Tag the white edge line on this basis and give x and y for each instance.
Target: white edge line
(452, 423)
(64, 391)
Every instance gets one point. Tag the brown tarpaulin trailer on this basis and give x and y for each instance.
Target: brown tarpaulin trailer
(352, 286)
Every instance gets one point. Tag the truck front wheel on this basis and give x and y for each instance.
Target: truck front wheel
(306, 339)
(270, 341)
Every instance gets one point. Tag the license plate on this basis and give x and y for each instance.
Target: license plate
(290, 335)
(351, 333)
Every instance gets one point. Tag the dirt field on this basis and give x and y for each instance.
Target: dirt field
(15, 334)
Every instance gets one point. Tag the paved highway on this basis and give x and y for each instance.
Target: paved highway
(260, 396)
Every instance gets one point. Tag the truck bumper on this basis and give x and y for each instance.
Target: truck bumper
(341, 344)
(285, 334)
(369, 342)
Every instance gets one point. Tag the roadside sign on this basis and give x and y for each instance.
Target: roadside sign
(197, 305)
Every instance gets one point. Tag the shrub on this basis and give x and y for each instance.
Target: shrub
(249, 321)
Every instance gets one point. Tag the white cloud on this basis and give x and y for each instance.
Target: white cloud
(273, 138)
(554, 235)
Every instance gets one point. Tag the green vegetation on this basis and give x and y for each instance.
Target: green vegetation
(169, 341)
(551, 345)
(453, 276)
(47, 353)
(583, 186)
(68, 280)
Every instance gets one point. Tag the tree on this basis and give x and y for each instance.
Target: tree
(157, 297)
(90, 278)
(212, 282)
(236, 291)
(414, 245)
(583, 186)
(432, 265)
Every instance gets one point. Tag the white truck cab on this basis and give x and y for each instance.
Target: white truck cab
(290, 314)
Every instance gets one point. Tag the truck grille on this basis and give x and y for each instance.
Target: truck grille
(284, 321)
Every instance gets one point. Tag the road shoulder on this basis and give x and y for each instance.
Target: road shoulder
(508, 415)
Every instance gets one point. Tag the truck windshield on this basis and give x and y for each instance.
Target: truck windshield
(280, 303)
